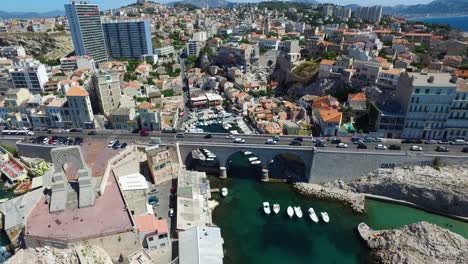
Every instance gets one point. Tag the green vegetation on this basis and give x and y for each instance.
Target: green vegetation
(10, 149)
(307, 69)
(59, 28)
(191, 61)
(342, 93)
(262, 93)
(420, 49)
(463, 67)
(141, 99)
(329, 55)
(48, 62)
(132, 65)
(168, 93)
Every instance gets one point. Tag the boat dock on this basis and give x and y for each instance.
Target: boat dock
(215, 190)
(366, 232)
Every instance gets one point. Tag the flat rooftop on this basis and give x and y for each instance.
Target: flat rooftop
(436, 79)
(97, 155)
(107, 216)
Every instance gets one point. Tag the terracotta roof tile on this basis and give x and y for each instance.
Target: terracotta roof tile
(77, 91)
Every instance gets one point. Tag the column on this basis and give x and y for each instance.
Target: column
(222, 173)
(265, 175)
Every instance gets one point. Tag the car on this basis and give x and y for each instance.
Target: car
(111, 143)
(153, 200)
(442, 149)
(342, 145)
(300, 139)
(136, 131)
(92, 133)
(368, 139)
(229, 137)
(381, 147)
(362, 146)
(153, 191)
(336, 141)
(180, 135)
(355, 140)
(415, 148)
(430, 142)
(394, 147)
(412, 141)
(270, 141)
(320, 144)
(465, 150)
(207, 136)
(239, 140)
(458, 142)
(377, 139)
(331, 138)
(171, 212)
(443, 142)
(49, 131)
(295, 143)
(45, 141)
(276, 138)
(124, 145)
(117, 145)
(144, 133)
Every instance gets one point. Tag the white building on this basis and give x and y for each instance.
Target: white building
(108, 91)
(29, 74)
(77, 62)
(12, 52)
(79, 107)
(201, 245)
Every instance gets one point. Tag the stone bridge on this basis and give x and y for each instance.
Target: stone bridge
(265, 153)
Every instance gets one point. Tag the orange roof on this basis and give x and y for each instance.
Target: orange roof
(328, 62)
(77, 91)
(330, 115)
(462, 73)
(413, 34)
(149, 223)
(357, 97)
(145, 105)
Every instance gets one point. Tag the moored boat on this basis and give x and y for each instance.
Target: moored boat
(224, 192)
(255, 162)
(325, 217)
(276, 208)
(253, 158)
(247, 153)
(266, 208)
(290, 212)
(298, 211)
(313, 216)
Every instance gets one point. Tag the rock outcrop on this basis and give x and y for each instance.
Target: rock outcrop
(46, 255)
(419, 243)
(50, 46)
(444, 189)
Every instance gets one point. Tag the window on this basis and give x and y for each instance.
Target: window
(150, 238)
(416, 91)
(427, 91)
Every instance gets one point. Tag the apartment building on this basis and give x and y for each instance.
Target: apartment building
(107, 91)
(238, 55)
(79, 107)
(11, 52)
(77, 62)
(29, 74)
(127, 38)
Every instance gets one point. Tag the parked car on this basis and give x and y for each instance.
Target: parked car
(171, 212)
(415, 148)
(229, 137)
(320, 144)
(362, 146)
(239, 140)
(412, 141)
(144, 133)
(270, 141)
(342, 145)
(207, 136)
(180, 135)
(276, 138)
(124, 145)
(355, 140)
(336, 141)
(377, 139)
(444, 141)
(458, 142)
(394, 147)
(442, 149)
(300, 139)
(92, 133)
(295, 143)
(331, 138)
(45, 141)
(381, 147)
(136, 131)
(111, 144)
(465, 150)
(430, 142)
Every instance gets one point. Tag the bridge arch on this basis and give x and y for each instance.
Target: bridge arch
(245, 164)
(203, 159)
(288, 165)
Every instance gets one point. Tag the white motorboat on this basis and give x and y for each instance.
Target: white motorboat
(298, 211)
(255, 162)
(290, 212)
(247, 153)
(325, 217)
(313, 215)
(253, 158)
(224, 192)
(276, 208)
(266, 208)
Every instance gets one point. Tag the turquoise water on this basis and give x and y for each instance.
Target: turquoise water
(460, 22)
(250, 236)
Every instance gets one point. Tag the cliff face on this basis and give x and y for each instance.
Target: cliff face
(419, 243)
(444, 189)
(50, 46)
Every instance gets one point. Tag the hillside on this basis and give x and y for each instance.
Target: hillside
(202, 3)
(10, 15)
(437, 7)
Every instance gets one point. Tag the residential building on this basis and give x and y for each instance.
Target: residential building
(153, 232)
(108, 91)
(16, 97)
(369, 13)
(149, 117)
(79, 107)
(123, 118)
(389, 78)
(29, 74)
(11, 52)
(367, 70)
(329, 120)
(159, 164)
(201, 244)
(77, 62)
(193, 47)
(243, 55)
(327, 10)
(164, 51)
(357, 101)
(86, 30)
(128, 38)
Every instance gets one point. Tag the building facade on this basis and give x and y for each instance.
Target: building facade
(29, 74)
(128, 38)
(108, 91)
(79, 108)
(86, 30)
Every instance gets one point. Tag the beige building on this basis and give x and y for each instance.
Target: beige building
(108, 91)
(159, 163)
(79, 107)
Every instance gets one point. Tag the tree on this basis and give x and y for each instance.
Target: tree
(168, 93)
(329, 55)
(191, 60)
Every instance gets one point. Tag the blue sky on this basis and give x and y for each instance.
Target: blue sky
(48, 5)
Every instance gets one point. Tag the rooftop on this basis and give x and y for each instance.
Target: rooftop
(201, 245)
(77, 91)
(432, 79)
(462, 86)
(149, 223)
(107, 216)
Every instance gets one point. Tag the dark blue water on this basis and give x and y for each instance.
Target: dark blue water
(455, 22)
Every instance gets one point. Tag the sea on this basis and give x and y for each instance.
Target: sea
(250, 236)
(459, 22)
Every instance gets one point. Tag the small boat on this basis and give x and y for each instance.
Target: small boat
(253, 158)
(23, 188)
(298, 211)
(276, 208)
(266, 208)
(255, 162)
(224, 192)
(247, 153)
(313, 215)
(325, 217)
(290, 212)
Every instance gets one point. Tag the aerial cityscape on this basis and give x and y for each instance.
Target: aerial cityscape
(209, 131)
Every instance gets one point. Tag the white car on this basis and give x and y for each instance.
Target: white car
(171, 212)
(270, 141)
(342, 145)
(229, 136)
(416, 148)
(381, 147)
(239, 140)
(111, 144)
(45, 141)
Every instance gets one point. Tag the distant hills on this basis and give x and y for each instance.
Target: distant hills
(442, 7)
(202, 3)
(25, 15)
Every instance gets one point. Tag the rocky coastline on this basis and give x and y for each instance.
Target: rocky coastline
(418, 243)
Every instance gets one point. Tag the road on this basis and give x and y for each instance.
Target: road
(203, 139)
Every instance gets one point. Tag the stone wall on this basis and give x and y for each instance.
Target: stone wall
(35, 150)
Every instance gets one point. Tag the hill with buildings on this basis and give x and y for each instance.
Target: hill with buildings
(24, 15)
(437, 7)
